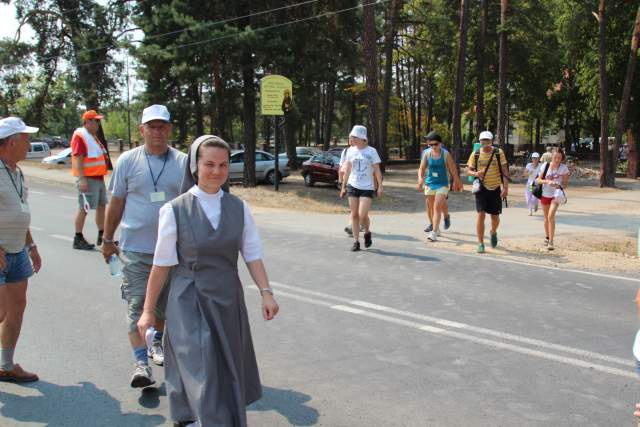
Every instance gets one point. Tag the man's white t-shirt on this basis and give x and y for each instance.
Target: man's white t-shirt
(362, 162)
(554, 175)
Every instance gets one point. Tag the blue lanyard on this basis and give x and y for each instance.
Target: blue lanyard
(154, 179)
(20, 192)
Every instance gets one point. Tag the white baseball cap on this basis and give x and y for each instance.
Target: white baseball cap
(486, 135)
(155, 112)
(535, 155)
(359, 131)
(13, 125)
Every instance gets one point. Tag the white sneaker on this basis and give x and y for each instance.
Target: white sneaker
(432, 236)
(156, 353)
(142, 376)
(438, 233)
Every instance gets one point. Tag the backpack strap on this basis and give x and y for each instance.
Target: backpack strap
(497, 151)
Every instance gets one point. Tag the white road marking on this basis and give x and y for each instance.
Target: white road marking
(545, 267)
(61, 237)
(583, 286)
(69, 197)
(39, 193)
(498, 334)
(347, 305)
(33, 227)
(458, 335)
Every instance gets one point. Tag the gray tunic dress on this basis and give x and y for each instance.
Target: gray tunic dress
(210, 364)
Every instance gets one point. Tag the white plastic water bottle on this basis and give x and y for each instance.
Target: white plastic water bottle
(115, 269)
(149, 336)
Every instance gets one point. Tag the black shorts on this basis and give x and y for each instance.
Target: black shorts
(356, 192)
(489, 201)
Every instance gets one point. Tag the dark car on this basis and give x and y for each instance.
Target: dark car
(323, 167)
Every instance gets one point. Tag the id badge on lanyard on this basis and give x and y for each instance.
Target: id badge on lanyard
(157, 196)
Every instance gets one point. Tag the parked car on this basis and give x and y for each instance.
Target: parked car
(337, 151)
(302, 154)
(62, 158)
(38, 150)
(322, 167)
(265, 167)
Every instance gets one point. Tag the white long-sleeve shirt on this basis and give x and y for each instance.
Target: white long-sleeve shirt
(166, 254)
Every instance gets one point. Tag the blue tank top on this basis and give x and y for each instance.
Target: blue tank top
(437, 174)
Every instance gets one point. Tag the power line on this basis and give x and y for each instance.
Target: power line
(270, 27)
(196, 27)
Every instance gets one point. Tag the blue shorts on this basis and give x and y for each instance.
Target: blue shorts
(18, 268)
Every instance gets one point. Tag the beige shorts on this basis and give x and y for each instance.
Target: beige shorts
(442, 190)
(136, 268)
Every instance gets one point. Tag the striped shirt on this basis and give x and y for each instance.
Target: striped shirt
(491, 179)
(14, 210)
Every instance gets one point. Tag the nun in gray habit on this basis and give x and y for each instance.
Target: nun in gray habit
(210, 365)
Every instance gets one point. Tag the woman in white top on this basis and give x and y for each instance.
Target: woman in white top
(554, 180)
(363, 180)
(210, 366)
(531, 173)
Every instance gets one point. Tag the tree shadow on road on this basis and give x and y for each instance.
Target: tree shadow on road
(289, 403)
(421, 258)
(73, 405)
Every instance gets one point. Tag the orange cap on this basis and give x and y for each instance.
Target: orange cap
(91, 114)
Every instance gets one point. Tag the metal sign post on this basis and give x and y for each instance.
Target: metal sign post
(276, 97)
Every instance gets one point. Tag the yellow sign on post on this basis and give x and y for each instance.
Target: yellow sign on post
(276, 95)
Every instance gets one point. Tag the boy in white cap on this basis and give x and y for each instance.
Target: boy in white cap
(143, 180)
(19, 257)
(489, 166)
(362, 180)
(531, 172)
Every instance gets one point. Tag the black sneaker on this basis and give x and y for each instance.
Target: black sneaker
(355, 247)
(99, 240)
(429, 229)
(367, 239)
(348, 230)
(82, 244)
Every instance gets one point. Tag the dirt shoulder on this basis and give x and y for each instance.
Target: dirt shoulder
(596, 230)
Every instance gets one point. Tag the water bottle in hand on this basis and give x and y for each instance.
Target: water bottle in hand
(149, 336)
(115, 269)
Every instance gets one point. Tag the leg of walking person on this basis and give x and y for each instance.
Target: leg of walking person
(354, 205)
(445, 212)
(81, 216)
(363, 214)
(480, 227)
(430, 203)
(13, 299)
(553, 209)
(438, 211)
(495, 222)
(545, 211)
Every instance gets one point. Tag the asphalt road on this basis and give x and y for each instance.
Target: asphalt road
(399, 335)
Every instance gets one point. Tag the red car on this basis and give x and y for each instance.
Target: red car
(322, 167)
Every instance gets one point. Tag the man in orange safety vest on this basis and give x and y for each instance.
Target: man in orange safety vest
(89, 165)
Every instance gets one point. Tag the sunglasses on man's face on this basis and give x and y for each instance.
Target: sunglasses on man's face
(433, 144)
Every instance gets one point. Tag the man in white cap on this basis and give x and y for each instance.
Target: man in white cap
(19, 257)
(489, 166)
(144, 179)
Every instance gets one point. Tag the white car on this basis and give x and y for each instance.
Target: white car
(265, 167)
(62, 158)
(38, 150)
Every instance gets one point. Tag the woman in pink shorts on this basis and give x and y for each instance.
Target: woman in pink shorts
(553, 185)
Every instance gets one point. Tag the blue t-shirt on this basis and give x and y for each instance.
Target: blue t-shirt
(437, 173)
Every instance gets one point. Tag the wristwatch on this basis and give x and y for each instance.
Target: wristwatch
(31, 246)
(267, 290)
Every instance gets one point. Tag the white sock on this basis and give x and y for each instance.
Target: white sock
(6, 358)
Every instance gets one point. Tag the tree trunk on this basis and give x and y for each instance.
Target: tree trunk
(626, 92)
(331, 92)
(606, 179)
(430, 101)
(220, 116)
(249, 119)
(536, 143)
(389, 39)
(197, 107)
(318, 120)
(502, 76)
(633, 165)
(371, 73)
(484, 11)
(459, 86)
